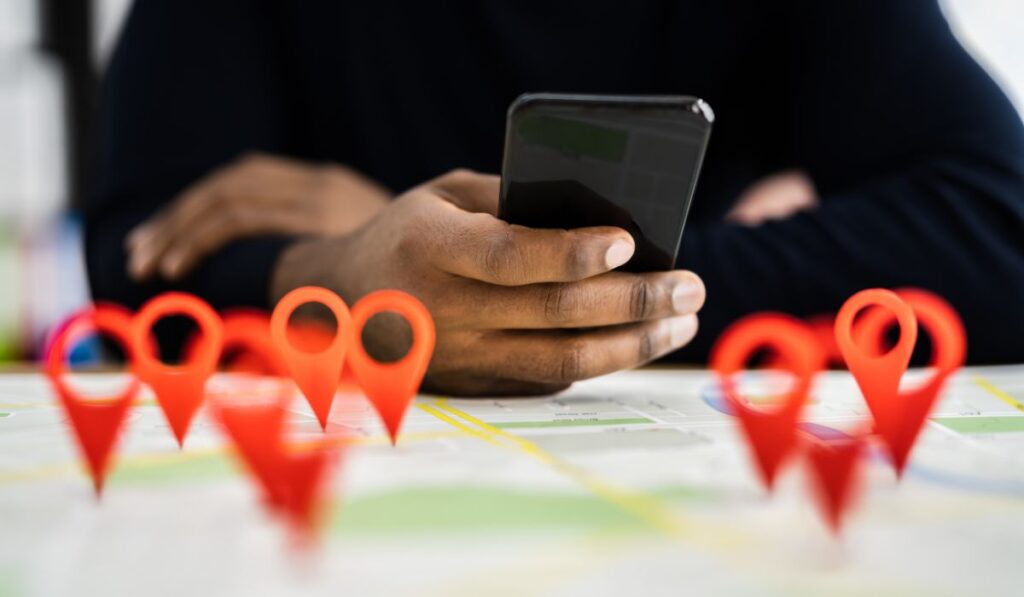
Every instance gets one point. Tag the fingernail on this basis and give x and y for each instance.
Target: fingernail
(685, 297)
(169, 266)
(136, 261)
(682, 329)
(619, 253)
(139, 235)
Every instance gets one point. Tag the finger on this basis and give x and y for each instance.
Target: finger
(609, 299)
(145, 246)
(471, 191)
(559, 357)
(148, 242)
(482, 247)
(189, 247)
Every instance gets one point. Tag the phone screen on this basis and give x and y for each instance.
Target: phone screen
(572, 162)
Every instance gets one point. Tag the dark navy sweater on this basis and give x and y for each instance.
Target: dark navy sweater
(916, 153)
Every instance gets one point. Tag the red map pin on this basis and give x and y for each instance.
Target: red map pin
(305, 471)
(96, 422)
(771, 434)
(255, 427)
(824, 329)
(899, 416)
(390, 387)
(248, 347)
(316, 373)
(179, 389)
(292, 478)
(835, 475)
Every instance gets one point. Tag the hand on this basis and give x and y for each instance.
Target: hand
(258, 194)
(517, 310)
(774, 198)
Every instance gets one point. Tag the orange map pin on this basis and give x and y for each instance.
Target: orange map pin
(316, 373)
(390, 387)
(899, 416)
(771, 434)
(179, 389)
(96, 422)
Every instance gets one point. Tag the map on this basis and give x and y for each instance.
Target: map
(634, 482)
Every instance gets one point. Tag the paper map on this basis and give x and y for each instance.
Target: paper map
(635, 482)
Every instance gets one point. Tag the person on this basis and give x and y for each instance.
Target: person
(250, 147)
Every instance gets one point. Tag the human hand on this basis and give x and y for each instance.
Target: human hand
(773, 198)
(517, 310)
(257, 194)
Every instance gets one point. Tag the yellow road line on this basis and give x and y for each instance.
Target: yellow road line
(992, 389)
(55, 404)
(643, 507)
(58, 470)
(458, 425)
(36, 474)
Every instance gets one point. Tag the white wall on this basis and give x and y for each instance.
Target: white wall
(33, 184)
(107, 20)
(993, 31)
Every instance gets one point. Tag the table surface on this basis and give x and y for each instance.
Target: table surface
(636, 480)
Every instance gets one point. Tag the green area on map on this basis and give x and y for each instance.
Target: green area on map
(983, 424)
(174, 468)
(571, 423)
(3, 414)
(8, 588)
(447, 509)
(453, 509)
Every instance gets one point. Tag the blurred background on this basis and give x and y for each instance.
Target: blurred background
(52, 56)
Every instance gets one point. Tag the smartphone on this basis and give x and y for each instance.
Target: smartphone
(573, 161)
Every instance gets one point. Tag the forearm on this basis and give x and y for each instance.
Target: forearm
(953, 226)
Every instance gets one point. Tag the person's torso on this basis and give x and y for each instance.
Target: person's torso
(406, 92)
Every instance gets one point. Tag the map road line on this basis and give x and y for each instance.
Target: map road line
(646, 508)
(992, 389)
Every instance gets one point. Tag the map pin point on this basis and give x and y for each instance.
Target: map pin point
(179, 389)
(834, 467)
(316, 373)
(391, 387)
(771, 434)
(304, 471)
(96, 422)
(900, 416)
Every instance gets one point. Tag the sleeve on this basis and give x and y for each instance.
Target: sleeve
(918, 157)
(191, 86)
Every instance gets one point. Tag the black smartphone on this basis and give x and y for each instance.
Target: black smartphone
(573, 161)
